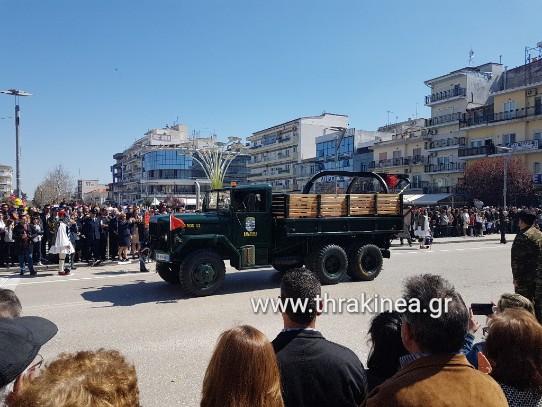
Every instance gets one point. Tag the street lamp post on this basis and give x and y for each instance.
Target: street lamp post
(505, 172)
(17, 93)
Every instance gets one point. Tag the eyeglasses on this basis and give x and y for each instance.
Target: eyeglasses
(38, 364)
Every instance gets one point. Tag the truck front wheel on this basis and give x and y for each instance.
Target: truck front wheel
(328, 263)
(168, 272)
(202, 273)
(364, 262)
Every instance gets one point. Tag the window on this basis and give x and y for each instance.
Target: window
(510, 109)
(477, 143)
(537, 136)
(536, 168)
(509, 138)
(382, 156)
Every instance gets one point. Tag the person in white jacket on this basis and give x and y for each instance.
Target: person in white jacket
(62, 245)
(423, 230)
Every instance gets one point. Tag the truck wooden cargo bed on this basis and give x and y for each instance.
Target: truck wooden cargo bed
(297, 206)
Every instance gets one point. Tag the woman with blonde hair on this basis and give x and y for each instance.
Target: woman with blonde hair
(514, 351)
(243, 371)
(84, 379)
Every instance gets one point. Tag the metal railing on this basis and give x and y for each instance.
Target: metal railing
(469, 121)
(445, 167)
(435, 97)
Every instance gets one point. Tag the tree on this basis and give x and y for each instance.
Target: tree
(215, 156)
(56, 186)
(484, 180)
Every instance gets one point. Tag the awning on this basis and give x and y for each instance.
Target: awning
(429, 199)
(410, 198)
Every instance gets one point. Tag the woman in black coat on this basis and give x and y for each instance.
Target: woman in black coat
(124, 237)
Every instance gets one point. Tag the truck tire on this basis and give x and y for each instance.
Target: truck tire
(283, 264)
(168, 272)
(202, 273)
(364, 262)
(329, 263)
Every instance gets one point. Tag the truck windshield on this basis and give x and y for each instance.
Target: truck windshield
(219, 200)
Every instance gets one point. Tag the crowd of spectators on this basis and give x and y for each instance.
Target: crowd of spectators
(472, 221)
(96, 233)
(416, 358)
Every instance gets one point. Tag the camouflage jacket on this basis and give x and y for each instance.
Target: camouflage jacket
(527, 254)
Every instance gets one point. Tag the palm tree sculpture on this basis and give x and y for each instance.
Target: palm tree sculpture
(215, 156)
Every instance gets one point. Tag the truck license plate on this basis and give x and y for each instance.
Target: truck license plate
(162, 257)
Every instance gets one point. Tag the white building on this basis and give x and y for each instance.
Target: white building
(277, 150)
(6, 181)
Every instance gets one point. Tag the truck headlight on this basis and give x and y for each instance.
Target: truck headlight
(165, 237)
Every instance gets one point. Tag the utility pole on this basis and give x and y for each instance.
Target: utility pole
(17, 93)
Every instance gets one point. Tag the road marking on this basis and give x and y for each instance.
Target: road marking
(433, 250)
(15, 282)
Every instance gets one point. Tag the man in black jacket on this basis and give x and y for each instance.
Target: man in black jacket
(23, 234)
(313, 370)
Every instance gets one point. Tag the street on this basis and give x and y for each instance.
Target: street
(170, 337)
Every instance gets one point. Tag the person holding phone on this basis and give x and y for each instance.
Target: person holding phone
(506, 301)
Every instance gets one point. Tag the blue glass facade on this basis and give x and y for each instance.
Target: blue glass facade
(167, 164)
(325, 153)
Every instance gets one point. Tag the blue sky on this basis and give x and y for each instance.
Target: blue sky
(104, 72)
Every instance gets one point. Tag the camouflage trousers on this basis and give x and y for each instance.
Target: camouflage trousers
(532, 289)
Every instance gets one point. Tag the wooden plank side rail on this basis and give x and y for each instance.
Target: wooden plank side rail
(341, 205)
(303, 206)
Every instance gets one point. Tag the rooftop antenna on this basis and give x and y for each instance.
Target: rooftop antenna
(471, 56)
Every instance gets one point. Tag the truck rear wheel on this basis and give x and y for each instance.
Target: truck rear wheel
(329, 263)
(202, 273)
(168, 272)
(364, 262)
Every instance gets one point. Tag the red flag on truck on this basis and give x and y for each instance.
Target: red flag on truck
(392, 180)
(175, 223)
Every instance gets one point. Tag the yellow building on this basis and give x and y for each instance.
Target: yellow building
(512, 121)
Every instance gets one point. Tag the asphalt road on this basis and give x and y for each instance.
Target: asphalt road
(170, 337)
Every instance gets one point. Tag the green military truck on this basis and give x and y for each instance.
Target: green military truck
(331, 234)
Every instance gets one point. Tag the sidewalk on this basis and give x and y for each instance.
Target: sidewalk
(495, 237)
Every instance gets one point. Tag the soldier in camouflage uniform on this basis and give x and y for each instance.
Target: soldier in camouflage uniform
(527, 261)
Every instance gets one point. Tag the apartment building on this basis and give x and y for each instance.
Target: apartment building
(512, 119)
(451, 95)
(6, 181)
(404, 153)
(161, 165)
(277, 150)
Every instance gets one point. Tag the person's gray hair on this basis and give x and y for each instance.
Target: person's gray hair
(6, 391)
(437, 334)
(10, 306)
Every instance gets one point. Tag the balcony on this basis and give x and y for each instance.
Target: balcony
(469, 120)
(474, 151)
(448, 94)
(449, 167)
(447, 143)
(444, 119)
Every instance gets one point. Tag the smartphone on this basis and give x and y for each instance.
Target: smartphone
(482, 309)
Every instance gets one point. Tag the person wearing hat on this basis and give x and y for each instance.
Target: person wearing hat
(527, 260)
(21, 339)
